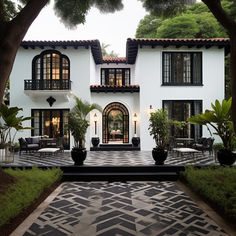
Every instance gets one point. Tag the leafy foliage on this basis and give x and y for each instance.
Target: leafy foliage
(10, 121)
(148, 26)
(30, 184)
(160, 128)
(77, 122)
(108, 54)
(195, 21)
(217, 184)
(74, 12)
(219, 118)
(191, 26)
(166, 8)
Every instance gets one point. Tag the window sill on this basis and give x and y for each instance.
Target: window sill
(187, 85)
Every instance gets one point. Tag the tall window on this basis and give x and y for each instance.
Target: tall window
(181, 111)
(51, 70)
(51, 123)
(182, 68)
(115, 76)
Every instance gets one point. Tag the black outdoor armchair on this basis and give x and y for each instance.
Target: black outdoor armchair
(29, 144)
(204, 144)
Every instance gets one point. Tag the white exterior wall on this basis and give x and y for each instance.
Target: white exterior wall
(146, 72)
(130, 101)
(149, 74)
(80, 75)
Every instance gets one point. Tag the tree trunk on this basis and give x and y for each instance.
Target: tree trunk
(12, 33)
(233, 75)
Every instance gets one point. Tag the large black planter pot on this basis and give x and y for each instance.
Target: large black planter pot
(78, 155)
(95, 141)
(159, 155)
(226, 157)
(135, 141)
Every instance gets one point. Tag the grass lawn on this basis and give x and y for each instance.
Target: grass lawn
(27, 187)
(215, 184)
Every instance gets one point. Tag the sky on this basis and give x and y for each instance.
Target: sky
(112, 29)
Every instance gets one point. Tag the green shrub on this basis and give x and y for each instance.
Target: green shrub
(29, 186)
(217, 184)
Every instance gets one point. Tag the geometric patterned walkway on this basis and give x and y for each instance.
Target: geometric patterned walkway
(110, 158)
(122, 209)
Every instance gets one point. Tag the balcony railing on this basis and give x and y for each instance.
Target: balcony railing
(64, 84)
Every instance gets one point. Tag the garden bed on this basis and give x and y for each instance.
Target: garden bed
(23, 194)
(217, 185)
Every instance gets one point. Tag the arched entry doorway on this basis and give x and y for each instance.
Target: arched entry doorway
(115, 123)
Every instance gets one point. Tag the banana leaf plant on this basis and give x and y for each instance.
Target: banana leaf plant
(220, 119)
(77, 122)
(10, 124)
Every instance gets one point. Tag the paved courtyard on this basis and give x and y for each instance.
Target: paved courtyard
(121, 209)
(111, 158)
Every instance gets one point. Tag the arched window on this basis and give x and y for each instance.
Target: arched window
(51, 70)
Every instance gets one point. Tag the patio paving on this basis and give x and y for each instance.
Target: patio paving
(124, 209)
(109, 158)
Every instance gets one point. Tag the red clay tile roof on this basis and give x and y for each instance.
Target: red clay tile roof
(114, 88)
(94, 44)
(114, 60)
(169, 40)
(132, 44)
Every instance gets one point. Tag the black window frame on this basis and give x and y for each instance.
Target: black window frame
(106, 72)
(61, 110)
(192, 126)
(171, 83)
(41, 84)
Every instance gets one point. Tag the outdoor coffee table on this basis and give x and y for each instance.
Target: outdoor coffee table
(181, 151)
(48, 151)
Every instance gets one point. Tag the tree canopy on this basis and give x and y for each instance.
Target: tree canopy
(196, 21)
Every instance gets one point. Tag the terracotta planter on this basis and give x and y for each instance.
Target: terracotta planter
(159, 155)
(226, 157)
(95, 141)
(78, 155)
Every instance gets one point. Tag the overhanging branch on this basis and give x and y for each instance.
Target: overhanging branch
(220, 14)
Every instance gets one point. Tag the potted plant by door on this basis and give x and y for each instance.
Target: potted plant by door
(159, 128)
(219, 118)
(78, 125)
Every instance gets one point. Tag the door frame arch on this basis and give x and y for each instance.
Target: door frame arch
(123, 109)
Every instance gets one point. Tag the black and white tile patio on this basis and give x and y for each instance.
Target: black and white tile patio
(124, 209)
(110, 158)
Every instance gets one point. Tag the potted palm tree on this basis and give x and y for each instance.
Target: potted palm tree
(219, 118)
(78, 125)
(160, 129)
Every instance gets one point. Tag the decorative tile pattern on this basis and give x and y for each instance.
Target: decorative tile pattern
(110, 158)
(124, 209)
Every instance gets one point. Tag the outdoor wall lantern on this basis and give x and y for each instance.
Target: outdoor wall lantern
(95, 140)
(135, 123)
(135, 139)
(95, 122)
(151, 110)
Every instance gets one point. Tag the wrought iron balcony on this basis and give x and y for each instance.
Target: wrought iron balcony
(63, 84)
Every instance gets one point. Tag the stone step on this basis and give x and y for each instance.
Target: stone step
(120, 176)
(115, 147)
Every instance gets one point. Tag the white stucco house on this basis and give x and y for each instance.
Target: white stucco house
(181, 75)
